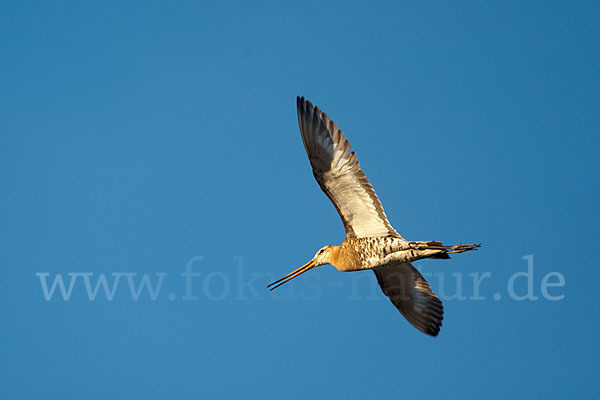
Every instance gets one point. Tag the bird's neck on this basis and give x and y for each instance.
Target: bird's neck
(343, 258)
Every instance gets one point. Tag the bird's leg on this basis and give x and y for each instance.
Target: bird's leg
(435, 249)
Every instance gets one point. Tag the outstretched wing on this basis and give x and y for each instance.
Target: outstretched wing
(338, 172)
(412, 296)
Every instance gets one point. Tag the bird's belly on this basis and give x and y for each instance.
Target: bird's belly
(398, 256)
(376, 261)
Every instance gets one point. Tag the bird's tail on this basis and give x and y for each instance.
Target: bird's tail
(435, 249)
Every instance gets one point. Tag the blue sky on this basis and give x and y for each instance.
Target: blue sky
(139, 138)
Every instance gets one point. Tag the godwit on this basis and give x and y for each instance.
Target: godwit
(371, 242)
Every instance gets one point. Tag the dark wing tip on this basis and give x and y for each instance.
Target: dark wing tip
(303, 104)
(434, 322)
(428, 320)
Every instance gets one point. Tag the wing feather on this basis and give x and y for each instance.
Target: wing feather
(338, 173)
(412, 296)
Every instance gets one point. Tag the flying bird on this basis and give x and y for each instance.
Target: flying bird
(371, 242)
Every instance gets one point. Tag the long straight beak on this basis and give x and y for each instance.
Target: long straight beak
(292, 275)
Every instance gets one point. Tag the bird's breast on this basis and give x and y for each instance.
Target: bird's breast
(366, 253)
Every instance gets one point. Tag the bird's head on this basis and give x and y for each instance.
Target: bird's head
(322, 257)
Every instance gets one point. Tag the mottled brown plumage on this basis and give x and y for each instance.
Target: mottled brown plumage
(371, 242)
